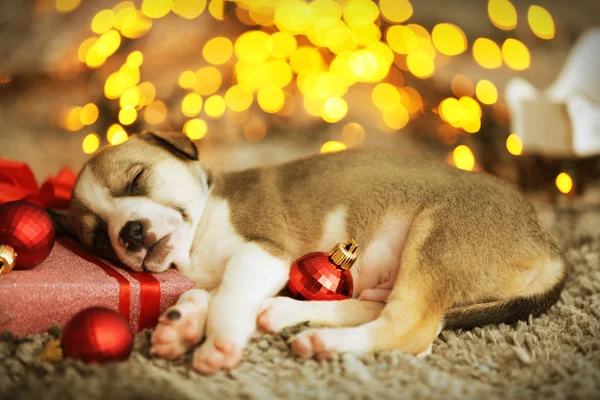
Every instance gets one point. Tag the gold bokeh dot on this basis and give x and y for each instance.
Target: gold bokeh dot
(487, 53)
(155, 112)
(195, 128)
(218, 50)
(90, 143)
(214, 106)
(516, 55)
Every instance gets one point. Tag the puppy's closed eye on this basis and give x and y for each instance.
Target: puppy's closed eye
(135, 184)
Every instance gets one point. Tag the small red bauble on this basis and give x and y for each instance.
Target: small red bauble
(98, 335)
(324, 276)
(26, 235)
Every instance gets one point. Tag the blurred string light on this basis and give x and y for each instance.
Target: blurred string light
(195, 128)
(463, 158)
(514, 145)
(333, 147)
(344, 42)
(462, 113)
(353, 134)
(89, 114)
(515, 54)
(67, 5)
(255, 130)
(503, 14)
(90, 143)
(564, 183)
(486, 92)
(487, 53)
(541, 22)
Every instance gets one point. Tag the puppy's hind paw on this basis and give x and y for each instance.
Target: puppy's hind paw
(215, 355)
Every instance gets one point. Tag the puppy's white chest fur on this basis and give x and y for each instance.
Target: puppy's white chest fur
(214, 244)
(216, 241)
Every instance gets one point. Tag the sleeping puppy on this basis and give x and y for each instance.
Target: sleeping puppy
(439, 247)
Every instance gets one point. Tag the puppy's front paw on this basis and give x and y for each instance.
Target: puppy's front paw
(278, 313)
(215, 355)
(179, 328)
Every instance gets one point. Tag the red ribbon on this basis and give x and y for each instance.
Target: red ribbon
(18, 183)
(149, 288)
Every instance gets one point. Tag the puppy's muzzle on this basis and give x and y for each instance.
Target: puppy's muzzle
(132, 235)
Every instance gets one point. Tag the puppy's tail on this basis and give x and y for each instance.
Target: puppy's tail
(504, 311)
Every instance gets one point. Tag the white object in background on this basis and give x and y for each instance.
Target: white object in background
(564, 119)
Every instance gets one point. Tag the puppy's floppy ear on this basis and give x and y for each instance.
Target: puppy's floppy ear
(177, 143)
(60, 220)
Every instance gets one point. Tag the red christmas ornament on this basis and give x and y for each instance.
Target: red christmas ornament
(324, 276)
(98, 335)
(26, 235)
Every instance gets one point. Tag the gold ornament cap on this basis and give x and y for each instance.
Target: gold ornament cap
(344, 254)
(7, 258)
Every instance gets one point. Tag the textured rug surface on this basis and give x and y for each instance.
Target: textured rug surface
(556, 355)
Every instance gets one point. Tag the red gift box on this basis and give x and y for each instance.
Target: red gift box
(71, 279)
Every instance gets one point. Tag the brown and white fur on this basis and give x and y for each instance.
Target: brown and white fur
(439, 247)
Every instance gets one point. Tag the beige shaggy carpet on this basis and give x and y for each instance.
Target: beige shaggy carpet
(554, 356)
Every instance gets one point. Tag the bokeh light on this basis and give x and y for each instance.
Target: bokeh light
(255, 130)
(188, 9)
(67, 6)
(503, 14)
(130, 98)
(420, 64)
(463, 158)
(89, 114)
(208, 81)
(238, 98)
(191, 105)
(156, 8)
(516, 54)
(73, 119)
(90, 143)
(385, 96)
(353, 134)
(396, 10)
(187, 79)
(127, 115)
(218, 50)
(271, 99)
(396, 117)
(281, 44)
(119, 137)
(215, 106)
(195, 128)
(113, 131)
(486, 92)
(514, 145)
(564, 183)
(541, 22)
(334, 109)
(156, 112)
(449, 39)
(487, 53)
(103, 21)
(333, 147)
(135, 59)
(461, 85)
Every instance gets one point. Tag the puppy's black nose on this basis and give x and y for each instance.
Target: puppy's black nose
(132, 235)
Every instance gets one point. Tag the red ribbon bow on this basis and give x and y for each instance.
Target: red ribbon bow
(18, 183)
